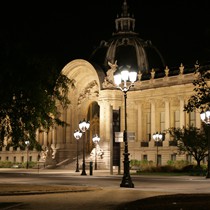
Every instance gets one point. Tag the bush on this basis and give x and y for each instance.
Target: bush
(180, 166)
(9, 164)
(170, 162)
(141, 165)
(6, 164)
(194, 170)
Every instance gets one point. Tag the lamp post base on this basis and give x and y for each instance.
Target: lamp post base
(127, 182)
(83, 170)
(83, 173)
(77, 167)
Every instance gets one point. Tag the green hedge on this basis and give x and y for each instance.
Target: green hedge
(9, 164)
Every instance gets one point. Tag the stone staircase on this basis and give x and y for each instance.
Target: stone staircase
(68, 160)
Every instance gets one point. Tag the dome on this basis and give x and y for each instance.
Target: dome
(126, 48)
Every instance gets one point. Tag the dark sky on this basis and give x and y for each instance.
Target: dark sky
(71, 29)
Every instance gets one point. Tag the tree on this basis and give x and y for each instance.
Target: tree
(191, 140)
(31, 89)
(201, 98)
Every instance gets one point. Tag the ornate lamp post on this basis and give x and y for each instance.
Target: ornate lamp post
(96, 139)
(77, 135)
(27, 146)
(205, 117)
(127, 79)
(83, 126)
(157, 137)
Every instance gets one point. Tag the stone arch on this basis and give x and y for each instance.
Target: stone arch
(84, 99)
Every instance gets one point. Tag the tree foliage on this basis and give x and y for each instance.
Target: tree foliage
(191, 140)
(31, 89)
(201, 98)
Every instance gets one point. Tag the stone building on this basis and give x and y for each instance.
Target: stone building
(154, 104)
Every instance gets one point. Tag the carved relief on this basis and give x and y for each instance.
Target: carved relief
(175, 102)
(160, 103)
(109, 79)
(139, 75)
(152, 74)
(181, 69)
(166, 71)
(90, 90)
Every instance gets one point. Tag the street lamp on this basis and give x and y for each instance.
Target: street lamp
(83, 126)
(77, 135)
(96, 139)
(157, 137)
(27, 146)
(127, 79)
(205, 117)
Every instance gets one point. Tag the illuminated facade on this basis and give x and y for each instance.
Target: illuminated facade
(154, 104)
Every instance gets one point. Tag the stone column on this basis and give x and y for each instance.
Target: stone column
(53, 136)
(197, 120)
(69, 134)
(181, 112)
(139, 123)
(167, 117)
(45, 138)
(105, 117)
(153, 120)
(60, 133)
(106, 133)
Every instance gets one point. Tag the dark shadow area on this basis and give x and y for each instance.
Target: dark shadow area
(172, 202)
(10, 205)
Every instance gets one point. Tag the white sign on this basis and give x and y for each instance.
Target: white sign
(131, 136)
(118, 136)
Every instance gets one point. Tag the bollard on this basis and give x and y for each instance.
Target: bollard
(91, 167)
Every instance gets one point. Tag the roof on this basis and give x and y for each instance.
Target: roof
(126, 47)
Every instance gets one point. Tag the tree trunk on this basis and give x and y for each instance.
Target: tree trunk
(198, 163)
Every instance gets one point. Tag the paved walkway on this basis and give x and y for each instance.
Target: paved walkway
(16, 195)
(24, 189)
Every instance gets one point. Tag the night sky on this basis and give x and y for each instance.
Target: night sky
(72, 29)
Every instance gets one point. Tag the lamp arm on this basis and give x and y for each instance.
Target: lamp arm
(125, 89)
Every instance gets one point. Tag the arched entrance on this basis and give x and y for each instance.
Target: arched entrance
(93, 117)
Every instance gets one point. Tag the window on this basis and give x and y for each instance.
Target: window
(173, 157)
(176, 119)
(189, 158)
(159, 160)
(148, 126)
(144, 144)
(162, 121)
(144, 157)
(192, 118)
(205, 160)
(131, 136)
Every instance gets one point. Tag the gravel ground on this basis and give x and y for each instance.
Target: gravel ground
(161, 202)
(23, 189)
